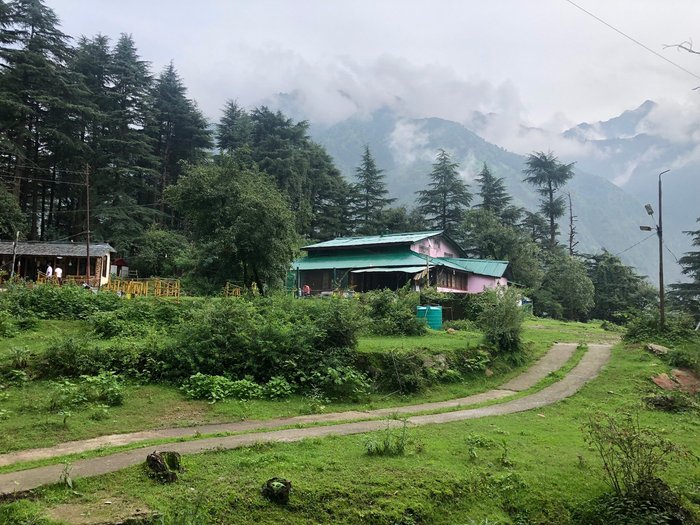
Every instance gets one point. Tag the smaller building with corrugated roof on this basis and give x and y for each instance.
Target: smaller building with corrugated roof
(425, 258)
(32, 259)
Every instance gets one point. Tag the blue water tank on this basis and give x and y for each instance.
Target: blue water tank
(432, 314)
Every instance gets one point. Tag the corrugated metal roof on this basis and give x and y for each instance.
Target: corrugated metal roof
(480, 266)
(360, 260)
(386, 269)
(55, 249)
(374, 240)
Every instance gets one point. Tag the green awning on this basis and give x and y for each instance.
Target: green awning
(403, 269)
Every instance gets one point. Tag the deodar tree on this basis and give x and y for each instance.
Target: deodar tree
(548, 175)
(447, 197)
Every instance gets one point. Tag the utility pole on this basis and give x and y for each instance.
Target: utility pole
(660, 234)
(14, 255)
(87, 243)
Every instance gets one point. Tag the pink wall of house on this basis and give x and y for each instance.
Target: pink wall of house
(479, 283)
(435, 247)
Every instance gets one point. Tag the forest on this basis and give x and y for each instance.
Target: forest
(233, 200)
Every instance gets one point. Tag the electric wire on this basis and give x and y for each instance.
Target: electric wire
(659, 55)
(636, 244)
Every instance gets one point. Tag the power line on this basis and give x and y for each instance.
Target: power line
(49, 181)
(636, 243)
(673, 254)
(634, 40)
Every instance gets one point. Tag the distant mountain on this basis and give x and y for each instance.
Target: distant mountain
(630, 151)
(608, 217)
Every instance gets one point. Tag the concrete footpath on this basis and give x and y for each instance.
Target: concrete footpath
(588, 368)
(553, 360)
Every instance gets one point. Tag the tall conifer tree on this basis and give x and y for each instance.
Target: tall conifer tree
(370, 192)
(447, 197)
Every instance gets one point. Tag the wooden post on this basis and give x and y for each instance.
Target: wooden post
(14, 255)
(87, 244)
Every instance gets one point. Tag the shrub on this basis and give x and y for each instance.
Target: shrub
(393, 313)
(685, 356)
(260, 338)
(106, 387)
(28, 321)
(114, 324)
(7, 325)
(277, 388)
(58, 302)
(501, 320)
(645, 328)
(73, 357)
(342, 382)
(217, 388)
(633, 457)
(202, 386)
(671, 402)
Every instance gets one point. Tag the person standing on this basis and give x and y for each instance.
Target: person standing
(59, 274)
(49, 273)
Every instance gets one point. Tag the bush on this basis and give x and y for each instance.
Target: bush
(277, 388)
(202, 386)
(633, 457)
(7, 325)
(390, 442)
(671, 402)
(26, 322)
(260, 338)
(645, 328)
(501, 320)
(217, 388)
(104, 388)
(685, 356)
(57, 302)
(393, 313)
(72, 357)
(342, 382)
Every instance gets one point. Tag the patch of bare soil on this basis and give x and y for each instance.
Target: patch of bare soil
(106, 511)
(680, 379)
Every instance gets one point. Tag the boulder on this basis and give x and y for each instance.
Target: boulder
(657, 349)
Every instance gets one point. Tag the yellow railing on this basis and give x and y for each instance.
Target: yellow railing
(144, 287)
(232, 290)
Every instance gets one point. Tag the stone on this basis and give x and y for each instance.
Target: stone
(687, 381)
(488, 372)
(451, 331)
(657, 349)
(665, 382)
(277, 490)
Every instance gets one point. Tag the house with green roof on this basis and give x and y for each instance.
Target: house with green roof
(426, 258)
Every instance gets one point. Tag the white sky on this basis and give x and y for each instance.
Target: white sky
(542, 60)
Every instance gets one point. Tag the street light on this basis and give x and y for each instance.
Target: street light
(660, 234)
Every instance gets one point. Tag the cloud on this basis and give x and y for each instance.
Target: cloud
(408, 143)
(677, 121)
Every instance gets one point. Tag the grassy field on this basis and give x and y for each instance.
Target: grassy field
(27, 422)
(532, 467)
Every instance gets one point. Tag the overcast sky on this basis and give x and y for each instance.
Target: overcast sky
(542, 60)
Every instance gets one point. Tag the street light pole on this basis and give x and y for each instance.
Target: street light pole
(660, 234)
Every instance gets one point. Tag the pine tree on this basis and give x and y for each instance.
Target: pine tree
(447, 196)
(40, 103)
(234, 129)
(178, 128)
(687, 294)
(545, 172)
(493, 193)
(370, 193)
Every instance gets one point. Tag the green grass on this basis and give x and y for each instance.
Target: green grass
(29, 424)
(442, 479)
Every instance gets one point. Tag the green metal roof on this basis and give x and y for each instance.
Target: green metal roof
(385, 269)
(360, 260)
(373, 240)
(479, 266)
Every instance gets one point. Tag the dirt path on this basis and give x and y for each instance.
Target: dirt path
(553, 360)
(587, 369)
